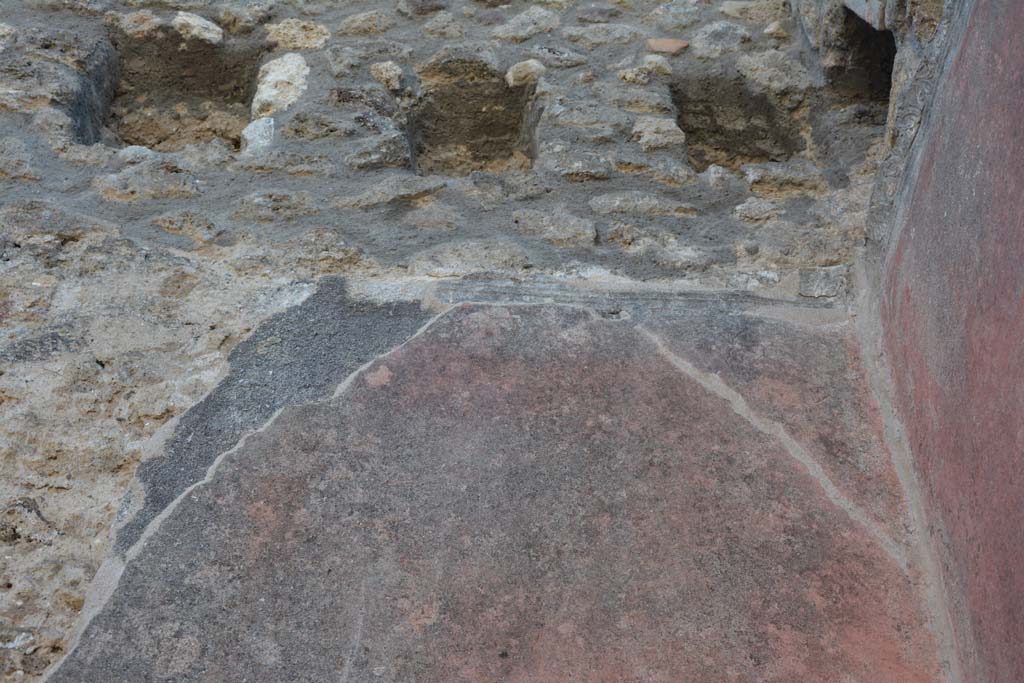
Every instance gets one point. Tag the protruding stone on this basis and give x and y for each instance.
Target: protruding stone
(666, 170)
(654, 132)
(16, 160)
(714, 40)
(420, 7)
(193, 26)
(388, 74)
(138, 25)
(270, 207)
(258, 137)
(557, 57)
(558, 226)
(6, 32)
(637, 75)
(343, 59)
(657, 64)
(759, 11)
(433, 215)
(660, 246)
(149, 179)
(194, 225)
(651, 64)
(281, 83)
(597, 14)
(676, 15)
(316, 126)
(134, 154)
(823, 282)
(574, 164)
(469, 256)
(444, 25)
(782, 178)
(399, 188)
(775, 71)
(243, 18)
(637, 99)
(717, 176)
(298, 34)
(366, 23)
(776, 30)
(593, 122)
(684, 257)
(639, 203)
(454, 61)
(601, 34)
(534, 21)
(757, 210)
(524, 73)
(657, 133)
(387, 150)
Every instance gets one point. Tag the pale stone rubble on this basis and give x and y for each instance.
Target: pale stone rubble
(192, 26)
(280, 84)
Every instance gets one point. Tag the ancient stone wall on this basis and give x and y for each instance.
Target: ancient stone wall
(175, 173)
(210, 209)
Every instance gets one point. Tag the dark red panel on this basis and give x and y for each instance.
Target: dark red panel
(954, 319)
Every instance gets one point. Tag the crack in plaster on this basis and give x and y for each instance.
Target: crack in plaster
(714, 385)
(109, 575)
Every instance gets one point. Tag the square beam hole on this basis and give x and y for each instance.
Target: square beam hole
(175, 90)
(467, 118)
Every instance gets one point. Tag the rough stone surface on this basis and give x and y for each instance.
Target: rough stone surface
(533, 21)
(671, 46)
(560, 227)
(657, 133)
(367, 23)
(281, 83)
(676, 15)
(761, 11)
(444, 25)
(638, 203)
(591, 37)
(393, 189)
(556, 57)
(298, 34)
(823, 282)
(192, 26)
(421, 7)
(388, 74)
(714, 40)
(258, 136)
(523, 73)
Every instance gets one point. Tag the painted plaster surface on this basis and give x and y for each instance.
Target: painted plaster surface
(954, 315)
(534, 493)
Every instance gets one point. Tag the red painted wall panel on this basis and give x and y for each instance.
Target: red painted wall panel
(953, 314)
